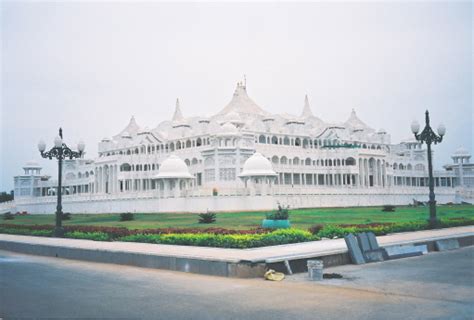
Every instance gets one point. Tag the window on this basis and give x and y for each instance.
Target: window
(209, 175)
(227, 174)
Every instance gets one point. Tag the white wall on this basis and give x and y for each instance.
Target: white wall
(149, 204)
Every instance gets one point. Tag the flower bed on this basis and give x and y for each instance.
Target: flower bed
(225, 238)
(211, 237)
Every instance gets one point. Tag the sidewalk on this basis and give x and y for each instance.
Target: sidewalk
(215, 261)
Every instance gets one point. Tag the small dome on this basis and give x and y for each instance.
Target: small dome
(172, 168)
(32, 164)
(126, 135)
(461, 152)
(228, 128)
(257, 166)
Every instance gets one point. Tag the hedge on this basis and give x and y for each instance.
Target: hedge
(339, 231)
(241, 241)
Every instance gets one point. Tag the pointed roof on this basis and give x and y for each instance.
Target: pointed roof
(131, 129)
(241, 103)
(177, 116)
(354, 122)
(306, 109)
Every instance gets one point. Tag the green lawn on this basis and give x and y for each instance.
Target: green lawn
(300, 218)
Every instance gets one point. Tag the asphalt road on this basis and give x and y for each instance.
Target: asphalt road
(436, 286)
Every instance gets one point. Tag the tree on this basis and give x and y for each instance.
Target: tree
(4, 196)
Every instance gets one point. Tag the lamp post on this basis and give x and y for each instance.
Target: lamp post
(60, 151)
(428, 136)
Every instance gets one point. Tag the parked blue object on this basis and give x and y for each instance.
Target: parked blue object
(276, 224)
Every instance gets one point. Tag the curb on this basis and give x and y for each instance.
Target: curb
(234, 268)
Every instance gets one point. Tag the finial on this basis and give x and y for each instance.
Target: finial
(61, 132)
(306, 109)
(177, 116)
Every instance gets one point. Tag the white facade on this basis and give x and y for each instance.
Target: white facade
(309, 163)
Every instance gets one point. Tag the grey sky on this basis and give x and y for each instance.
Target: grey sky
(89, 66)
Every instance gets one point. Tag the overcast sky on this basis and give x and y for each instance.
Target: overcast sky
(89, 66)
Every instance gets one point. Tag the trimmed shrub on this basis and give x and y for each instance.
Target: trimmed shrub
(26, 232)
(282, 213)
(126, 216)
(8, 216)
(388, 208)
(66, 216)
(207, 217)
(97, 236)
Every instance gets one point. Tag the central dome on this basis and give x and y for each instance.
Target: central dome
(173, 168)
(257, 166)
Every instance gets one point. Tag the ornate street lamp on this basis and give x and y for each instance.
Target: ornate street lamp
(60, 151)
(428, 136)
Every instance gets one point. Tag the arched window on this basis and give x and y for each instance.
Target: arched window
(178, 145)
(194, 161)
(284, 160)
(286, 141)
(305, 143)
(330, 163)
(198, 142)
(262, 139)
(275, 159)
(296, 161)
(350, 161)
(172, 146)
(125, 167)
(409, 167)
(274, 140)
(188, 163)
(188, 144)
(297, 142)
(307, 162)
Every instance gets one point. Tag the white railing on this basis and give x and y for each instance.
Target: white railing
(276, 190)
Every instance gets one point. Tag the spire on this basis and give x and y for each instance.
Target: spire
(177, 116)
(306, 110)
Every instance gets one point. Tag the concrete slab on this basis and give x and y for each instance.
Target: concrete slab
(354, 249)
(372, 241)
(405, 251)
(447, 244)
(363, 240)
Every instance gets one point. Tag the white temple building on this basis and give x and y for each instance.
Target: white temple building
(245, 158)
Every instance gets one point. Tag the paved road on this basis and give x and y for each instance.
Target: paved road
(436, 286)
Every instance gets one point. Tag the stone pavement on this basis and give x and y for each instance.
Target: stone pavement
(214, 261)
